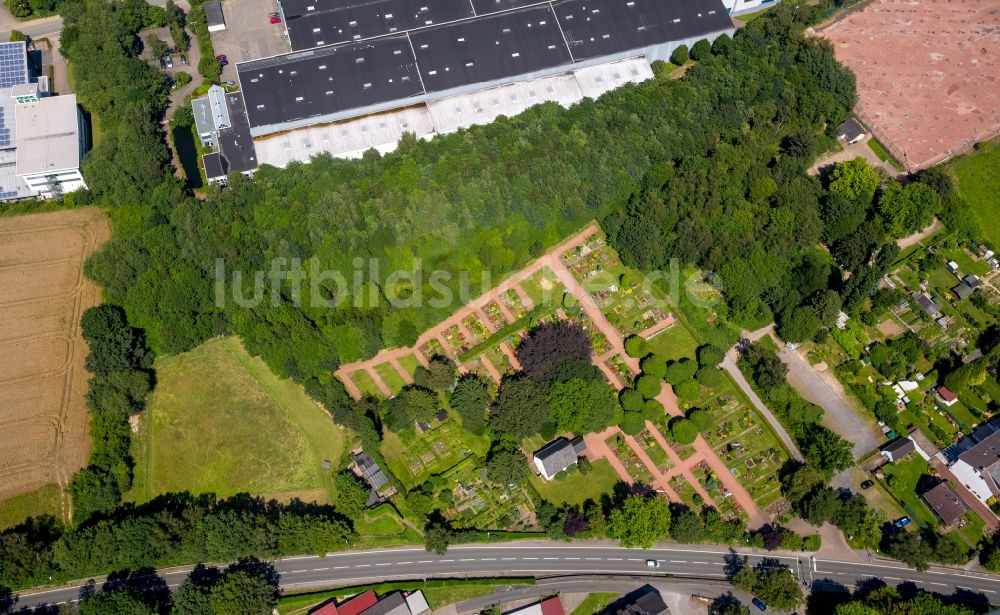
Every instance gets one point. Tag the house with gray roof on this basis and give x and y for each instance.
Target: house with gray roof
(555, 457)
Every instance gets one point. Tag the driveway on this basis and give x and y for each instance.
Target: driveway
(852, 151)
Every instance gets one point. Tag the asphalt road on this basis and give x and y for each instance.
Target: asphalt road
(554, 559)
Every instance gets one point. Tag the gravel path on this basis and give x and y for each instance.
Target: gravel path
(841, 415)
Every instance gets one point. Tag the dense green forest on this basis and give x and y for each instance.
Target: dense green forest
(730, 140)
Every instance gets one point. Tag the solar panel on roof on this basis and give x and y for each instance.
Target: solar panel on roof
(5, 140)
(13, 64)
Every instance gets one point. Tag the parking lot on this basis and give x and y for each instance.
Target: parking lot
(249, 34)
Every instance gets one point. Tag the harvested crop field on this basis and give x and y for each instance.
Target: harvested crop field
(928, 73)
(43, 423)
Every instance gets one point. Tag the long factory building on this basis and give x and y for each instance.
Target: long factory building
(363, 73)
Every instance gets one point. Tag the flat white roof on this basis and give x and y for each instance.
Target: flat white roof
(48, 135)
(348, 139)
(381, 131)
(484, 106)
(602, 78)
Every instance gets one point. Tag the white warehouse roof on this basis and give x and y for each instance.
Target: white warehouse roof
(48, 135)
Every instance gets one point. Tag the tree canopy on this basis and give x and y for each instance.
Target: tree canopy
(640, 521)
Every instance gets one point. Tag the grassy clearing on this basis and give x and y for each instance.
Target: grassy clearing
(967, 264)
(220, 421)
(594, 603)
(378, 525)
(438, 592)
(390, 377)
(673, 343)
(364, 382)
(578, 488)
(409, 363)
(43, 501)
(979, 184)
(942, 279)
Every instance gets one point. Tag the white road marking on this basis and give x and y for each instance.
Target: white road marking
(320, 569)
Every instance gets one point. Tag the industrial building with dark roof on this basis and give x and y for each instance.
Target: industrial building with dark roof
(236, 150)
(351, 60)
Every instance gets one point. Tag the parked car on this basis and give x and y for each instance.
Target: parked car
(653, 563)
(868, 484)
(757, 602)
(275, 18)
(163, 64)
(902, 522)
(170, 62)
(184, 60)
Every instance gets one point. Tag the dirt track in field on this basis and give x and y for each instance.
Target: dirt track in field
(43, 420)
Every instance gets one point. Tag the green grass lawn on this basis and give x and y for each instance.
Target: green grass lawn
(220, 421)
(883, 154)
(942, 279)
(409, 363)
(972, 404)
(544, 288)
(979, 184)
(383, 520)
(972, 531)
(966, 264)
(908, 277)
(43, 501)
(990, 387)
(595, 603)
(364, 382)
(966, 420)
(578, 488)
(673, 343)
(657, 454)
(977, 317)
(901, 480)
(390, 377)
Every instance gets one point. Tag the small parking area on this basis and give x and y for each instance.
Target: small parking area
(249, 34)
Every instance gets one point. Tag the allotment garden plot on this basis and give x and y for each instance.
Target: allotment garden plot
(582, 281)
